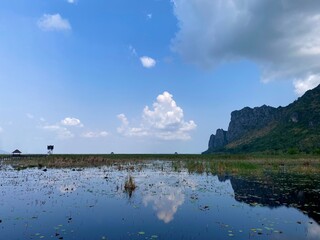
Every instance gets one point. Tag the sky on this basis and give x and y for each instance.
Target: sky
(147, 76)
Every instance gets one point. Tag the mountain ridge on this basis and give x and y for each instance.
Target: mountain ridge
(290, 129)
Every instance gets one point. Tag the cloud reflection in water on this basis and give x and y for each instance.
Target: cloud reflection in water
(165, 201)
(313, 231)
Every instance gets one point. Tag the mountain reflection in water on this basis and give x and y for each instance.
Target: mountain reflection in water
(276, 190)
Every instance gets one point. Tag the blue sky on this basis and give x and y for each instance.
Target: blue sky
(147, 76)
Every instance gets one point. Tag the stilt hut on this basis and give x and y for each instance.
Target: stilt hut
(16, 152)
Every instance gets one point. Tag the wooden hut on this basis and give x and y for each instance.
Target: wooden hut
(16, 152)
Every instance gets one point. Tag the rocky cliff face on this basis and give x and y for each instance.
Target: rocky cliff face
(267, 128)
(219, 140)
(249, 119)
(242, 122)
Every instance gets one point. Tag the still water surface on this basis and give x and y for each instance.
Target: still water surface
(90, 203)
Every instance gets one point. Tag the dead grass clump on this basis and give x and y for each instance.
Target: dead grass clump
(129, 185)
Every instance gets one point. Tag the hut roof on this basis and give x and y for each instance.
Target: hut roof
(16, 151)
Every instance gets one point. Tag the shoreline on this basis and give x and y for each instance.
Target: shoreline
(194, 162)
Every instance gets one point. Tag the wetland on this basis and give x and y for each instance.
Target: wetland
(177, 197)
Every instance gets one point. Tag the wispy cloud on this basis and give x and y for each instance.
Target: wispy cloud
(149, 16)
(61, 129)
(61, 132)
(1, 129)
(147, 62)
(71, 1)
(70, 127)
(133, 50)
(30, 116)
(164, 121)
(53, 22)
(70, 121)
(91, 134)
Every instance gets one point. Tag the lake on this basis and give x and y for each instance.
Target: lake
(168, 203)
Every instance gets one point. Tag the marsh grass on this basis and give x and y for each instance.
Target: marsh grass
(129, 185)
(193, 163)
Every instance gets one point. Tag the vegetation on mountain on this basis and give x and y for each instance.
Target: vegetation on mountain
(292, 129)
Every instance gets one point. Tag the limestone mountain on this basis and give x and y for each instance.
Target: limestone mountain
(294, 128)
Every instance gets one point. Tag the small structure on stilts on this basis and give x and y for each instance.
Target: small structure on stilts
(16, 153)
(50, 149)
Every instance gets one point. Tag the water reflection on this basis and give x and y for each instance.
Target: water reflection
(165, 201)
(276, 190)
(67, 188)
(313, 231)
(264, 206)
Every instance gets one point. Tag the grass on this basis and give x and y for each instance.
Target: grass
(129, 184)
(193, 162)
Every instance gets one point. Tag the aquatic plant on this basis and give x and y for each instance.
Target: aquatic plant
(129, 185)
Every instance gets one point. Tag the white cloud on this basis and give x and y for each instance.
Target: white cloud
(147, 62)
(303, 85)
(1, 129)
(165, 121)
(149, 15)
(280, 36)
(124, 123)
(91, 134)
(71, 1)
(53, 22)
(68, 121)
(62, 132)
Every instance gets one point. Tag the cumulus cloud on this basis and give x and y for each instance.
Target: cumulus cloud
(63, 129)
(62, 132)
(53, 22)
(91, 134)
(148, 62)
(69, 121)
(303, 85)
(165, 121)
(282, 37)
